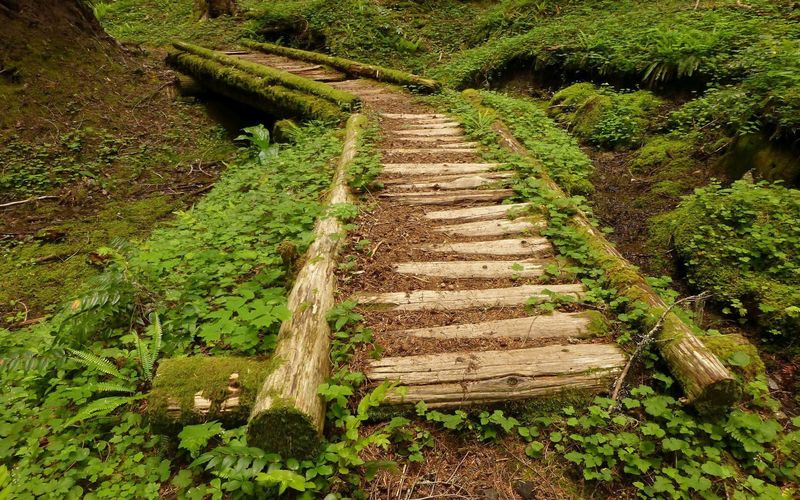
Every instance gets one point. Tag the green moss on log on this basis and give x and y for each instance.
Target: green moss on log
(729, 348)
(285, 131)
(284, 430)
(353, 68)
(171, 402)
(253, 91)
(345, 100)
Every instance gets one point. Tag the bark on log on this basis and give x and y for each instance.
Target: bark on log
(288, 415)
(706, 382)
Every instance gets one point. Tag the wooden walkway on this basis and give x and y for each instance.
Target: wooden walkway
(451, 266)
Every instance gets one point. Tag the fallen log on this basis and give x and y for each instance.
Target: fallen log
(352, 68)
(706, 382)
(252, 90)
(272, 76)
(288, 415)
(197, 389)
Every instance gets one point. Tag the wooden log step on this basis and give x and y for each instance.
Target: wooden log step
(507, 247)
(441, 149)
(451, 300)
(468, 378)
(556, 325)
(444, 141)
(431, 133)
(449, 197)
(413, 116)
(438, 168)
(468, 182)
(477, 213)
(473, 269)
(432, 126)
(501, 227)
(308, 68)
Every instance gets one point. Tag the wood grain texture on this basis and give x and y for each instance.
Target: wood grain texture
(477, 213)
(435, 300)
(555, 325)
(501, 227)
(510, 247)
(474, 269)
(411, 169)
(450, 197)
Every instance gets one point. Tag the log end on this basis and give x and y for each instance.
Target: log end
(718, 397)
(284, 430)
(199, 389)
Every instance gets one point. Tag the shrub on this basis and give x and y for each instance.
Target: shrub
(742, 243)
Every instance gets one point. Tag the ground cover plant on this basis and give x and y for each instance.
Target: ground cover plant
(211, 281)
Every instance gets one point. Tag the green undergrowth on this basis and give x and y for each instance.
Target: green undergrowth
(605, 118)
(741, 243)
(160, 22)
(212, 281)
(646, 441)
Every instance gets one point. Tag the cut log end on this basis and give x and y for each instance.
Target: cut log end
(286, 431)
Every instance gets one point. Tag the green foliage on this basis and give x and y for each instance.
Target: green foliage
(741, 243)
(604, 117)
(365, 168)
(194, 438)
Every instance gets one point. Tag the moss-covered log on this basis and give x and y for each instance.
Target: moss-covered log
(706, 382)
(272, 76)
(289, 415)
(350, 67)
(252, 90)
(198, 389)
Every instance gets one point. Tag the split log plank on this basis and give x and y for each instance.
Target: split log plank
(435, 300)
(477, 213)
(413, 116)
(455, 379)
(431, 133)
(449, 197)
(502, 227)
(555, 325)
(473, 269)
(510, 247)
(438, 168)
(288, 415)
(443, 149)
(452, 183)
(432, 126)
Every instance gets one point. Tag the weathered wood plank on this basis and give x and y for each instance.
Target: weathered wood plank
(464, 378)
(501, 227)
(438, 168)
(511, 247)
(477, 213)
(451, 183)
(555, 325)
(435, 150)
(432, 126)
(449, 197)
(431, 133)
(413, 116)
(473, 269)
(435, 300)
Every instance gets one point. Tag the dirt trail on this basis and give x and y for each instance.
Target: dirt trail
(446, 270)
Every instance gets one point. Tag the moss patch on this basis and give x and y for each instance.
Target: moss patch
(284, 430)
(179, 379)
(730, 348)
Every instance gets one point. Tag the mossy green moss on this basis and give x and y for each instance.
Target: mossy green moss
(767, 160)
(285, 131)
(179, 379)
(726, 348)
(284, 430)
(353, 68)
(271, 76)
(603, 116)
(252, 90)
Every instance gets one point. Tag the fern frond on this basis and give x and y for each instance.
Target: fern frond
(155, 344)
(110, 387)
(101, 408)
(96, 362)
(144, 356)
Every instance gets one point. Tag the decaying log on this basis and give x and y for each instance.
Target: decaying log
(289, 415)
(198, 389)
(706, 382)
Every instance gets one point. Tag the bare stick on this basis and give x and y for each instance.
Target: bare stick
(20, 202)
(647, 340)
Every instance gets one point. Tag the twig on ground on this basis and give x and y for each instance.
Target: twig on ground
(20, 202)
(647, 339)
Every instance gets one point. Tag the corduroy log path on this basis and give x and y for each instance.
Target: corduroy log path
(448, 269)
